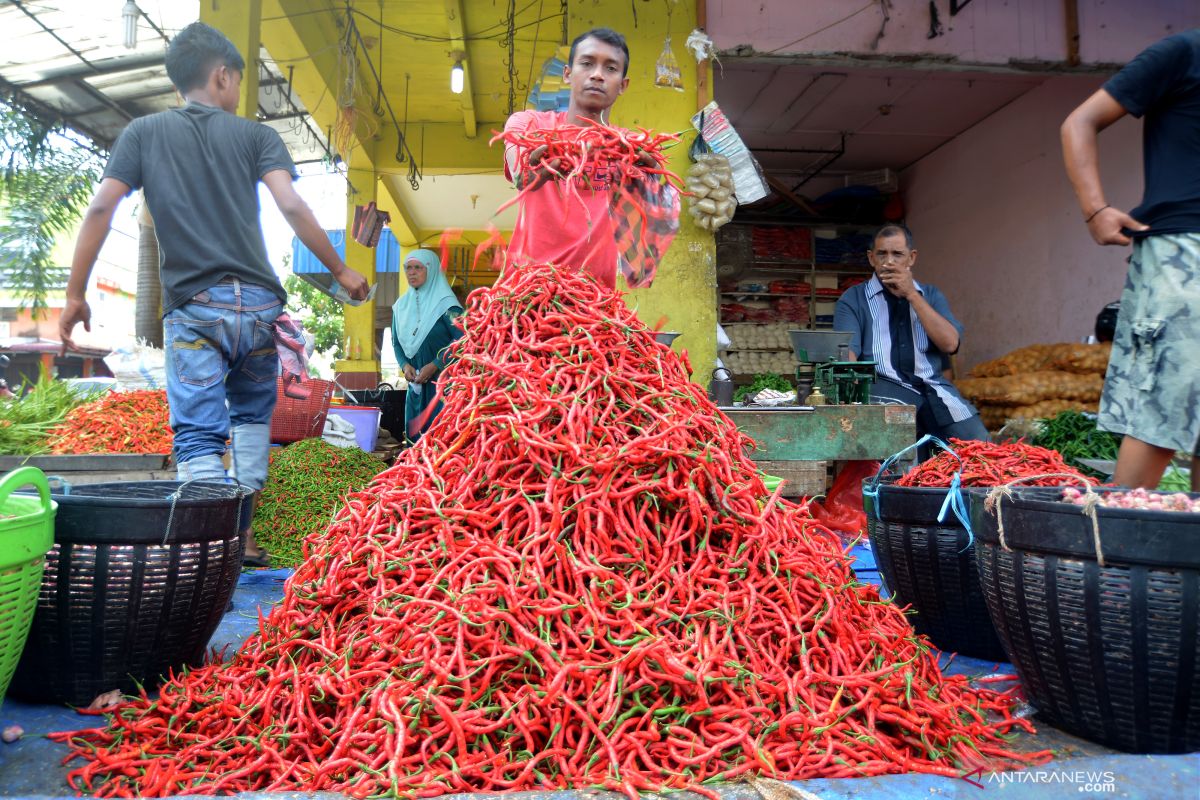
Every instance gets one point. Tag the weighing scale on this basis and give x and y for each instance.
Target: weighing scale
(825, 364)
(796, 442)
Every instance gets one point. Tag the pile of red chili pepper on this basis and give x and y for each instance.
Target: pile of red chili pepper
(574, 152)
(116, 422)
(988, 464)
(575, 579)
(306, 482)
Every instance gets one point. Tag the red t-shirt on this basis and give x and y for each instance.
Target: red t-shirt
(557, 227)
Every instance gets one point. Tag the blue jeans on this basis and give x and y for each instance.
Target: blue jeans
(221, 368)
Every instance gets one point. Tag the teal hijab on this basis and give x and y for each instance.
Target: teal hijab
(418, 310)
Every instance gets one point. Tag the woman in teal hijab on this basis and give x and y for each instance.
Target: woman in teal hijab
(422, 329)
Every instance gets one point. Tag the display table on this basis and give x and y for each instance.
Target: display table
(827, 433)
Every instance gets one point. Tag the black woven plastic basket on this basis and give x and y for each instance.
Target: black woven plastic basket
(1109, 652)
(930, 566)
(134, 587)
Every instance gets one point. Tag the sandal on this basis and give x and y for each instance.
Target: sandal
(257, 560)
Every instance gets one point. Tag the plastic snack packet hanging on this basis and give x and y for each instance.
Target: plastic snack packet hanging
(666, 69)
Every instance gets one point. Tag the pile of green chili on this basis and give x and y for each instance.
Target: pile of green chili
(305, 483)
(1075, 436)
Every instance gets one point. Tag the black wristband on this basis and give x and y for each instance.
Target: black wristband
(1094, 213)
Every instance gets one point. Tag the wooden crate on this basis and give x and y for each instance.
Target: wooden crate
(804, 478)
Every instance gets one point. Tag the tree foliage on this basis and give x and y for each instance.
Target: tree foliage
(322, 315)
(47, 183)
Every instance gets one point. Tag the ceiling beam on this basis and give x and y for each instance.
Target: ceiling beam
(443, 149)
(404, 224)
(107, 66)
(51, 116)
(307, 34)
(458, 37)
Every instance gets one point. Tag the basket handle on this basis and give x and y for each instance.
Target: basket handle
(25, 476)
(894, 457)
(953, 501)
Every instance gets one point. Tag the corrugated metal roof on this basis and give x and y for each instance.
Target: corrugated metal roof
(65, 60)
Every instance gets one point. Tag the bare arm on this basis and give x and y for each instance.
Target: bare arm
(898, 281)
(941, 331)
(300, 217)
(96, 223)
(1080, 132)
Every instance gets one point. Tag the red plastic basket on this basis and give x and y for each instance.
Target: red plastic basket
(301, 419)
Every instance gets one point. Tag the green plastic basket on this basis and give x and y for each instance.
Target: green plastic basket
(26, 535)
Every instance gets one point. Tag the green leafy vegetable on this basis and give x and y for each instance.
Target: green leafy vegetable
(763, 380)
(26, 420)
(1075, 436)
(1175, 480)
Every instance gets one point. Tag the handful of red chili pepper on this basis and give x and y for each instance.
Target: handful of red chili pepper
(306, 482)
(988, 464)
(574, 152)
(117, 422)
(575, 578)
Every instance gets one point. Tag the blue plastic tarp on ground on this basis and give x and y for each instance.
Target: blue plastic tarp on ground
(32, 767)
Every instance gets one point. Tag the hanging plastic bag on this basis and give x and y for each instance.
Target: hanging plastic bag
(842, 510)
(645, 218)
(699, 145)
(666, 69)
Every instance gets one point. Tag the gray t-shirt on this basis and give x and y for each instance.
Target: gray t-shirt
(200, 167)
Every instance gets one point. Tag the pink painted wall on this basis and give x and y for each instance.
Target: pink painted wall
(985, 32)
(999, 231)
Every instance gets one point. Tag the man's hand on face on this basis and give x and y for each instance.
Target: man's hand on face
(897, 279)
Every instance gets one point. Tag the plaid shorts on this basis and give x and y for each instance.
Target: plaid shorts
(1152, 388)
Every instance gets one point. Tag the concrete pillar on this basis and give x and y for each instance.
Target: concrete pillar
(241, 21)
(685, 289)
(360, 367)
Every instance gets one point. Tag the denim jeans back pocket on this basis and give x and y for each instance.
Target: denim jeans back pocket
(195, 350)
(262, 362)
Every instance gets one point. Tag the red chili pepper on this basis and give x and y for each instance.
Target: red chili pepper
(118, 422)
(575, 578)
(988, 464)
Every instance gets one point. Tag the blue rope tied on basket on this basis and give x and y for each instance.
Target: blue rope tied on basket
(954, 500)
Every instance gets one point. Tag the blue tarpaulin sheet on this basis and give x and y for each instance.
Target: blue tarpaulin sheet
(32, 766)
(387, 253)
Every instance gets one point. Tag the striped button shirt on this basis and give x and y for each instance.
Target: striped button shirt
(887, 331)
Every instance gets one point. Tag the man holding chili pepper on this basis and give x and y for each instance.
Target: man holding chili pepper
(907, 329)
(200, 166)
(552, 227)
(1152, 389)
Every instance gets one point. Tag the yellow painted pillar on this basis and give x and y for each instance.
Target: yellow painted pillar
(685, 289)
(360, 368)
(241, 21)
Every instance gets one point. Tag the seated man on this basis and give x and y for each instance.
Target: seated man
(907, 329)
